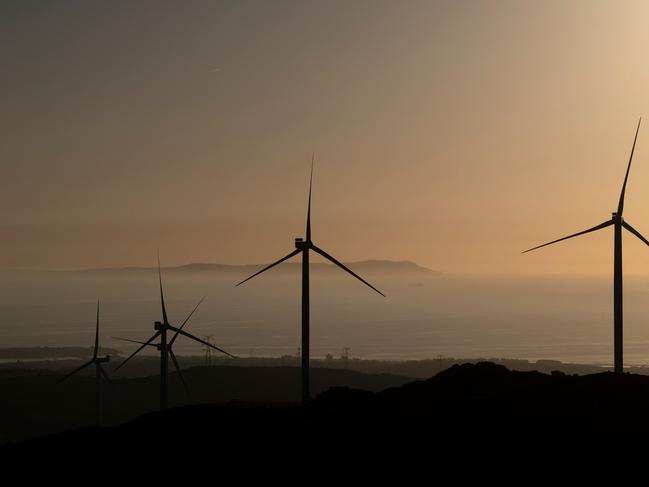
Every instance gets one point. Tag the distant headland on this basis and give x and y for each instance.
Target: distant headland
(383, 267)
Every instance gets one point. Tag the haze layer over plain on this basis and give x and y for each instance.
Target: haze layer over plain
(568, 319)
(451, 133)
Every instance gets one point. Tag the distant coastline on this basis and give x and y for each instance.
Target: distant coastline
(56, 358)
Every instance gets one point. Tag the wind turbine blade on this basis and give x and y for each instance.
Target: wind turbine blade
(308, 214)
(207, 344)
(162, 298)
(180, 374)
(635, 232)
(135, 341)
(598, 227)
(620, 206)
(136, 352)
(94, 355)
(292, 254)
(78, 369)
(104, 374)
(343, 267)
(173, 339)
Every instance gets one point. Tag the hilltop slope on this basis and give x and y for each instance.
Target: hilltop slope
(468, 413)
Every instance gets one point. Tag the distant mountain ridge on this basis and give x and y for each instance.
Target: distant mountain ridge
(369, 266)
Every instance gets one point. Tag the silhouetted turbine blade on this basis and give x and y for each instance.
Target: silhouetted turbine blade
(94, 355)
(207, 344)
(598, 227)
(173, 339)
(635, 232)
(292, 254)
(180, 374)
(308, 214)
(135, 341)
(162, 298)
(342, 266)
(75, 371)
(620, 206)
(136, 352)
(104, 374)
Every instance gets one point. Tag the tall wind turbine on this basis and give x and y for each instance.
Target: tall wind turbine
(617, 222)
(304, 246)
(162, 328)
(99, 371)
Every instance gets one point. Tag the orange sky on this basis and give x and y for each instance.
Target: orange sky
(451, 133)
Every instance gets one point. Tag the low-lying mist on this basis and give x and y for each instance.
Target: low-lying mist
(424, 315)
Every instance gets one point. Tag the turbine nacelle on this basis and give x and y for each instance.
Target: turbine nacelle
(615, 217)
(301, 244)
(102, 360)
(158, 326)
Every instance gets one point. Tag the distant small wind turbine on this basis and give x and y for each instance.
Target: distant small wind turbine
(618, 222)
(303, 247)
(99, 371)
(165, 347)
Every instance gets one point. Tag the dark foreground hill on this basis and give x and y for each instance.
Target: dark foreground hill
(32, 404)
(467, 414)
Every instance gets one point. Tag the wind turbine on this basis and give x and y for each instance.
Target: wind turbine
(164, 346)
(304, 246)
(618, 223)
(170, 348)
(99, 371)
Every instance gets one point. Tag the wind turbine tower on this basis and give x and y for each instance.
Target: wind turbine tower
(303, 246)
(618, 223)
(99, 372)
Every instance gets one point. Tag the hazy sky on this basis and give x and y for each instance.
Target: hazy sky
(452, 133)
